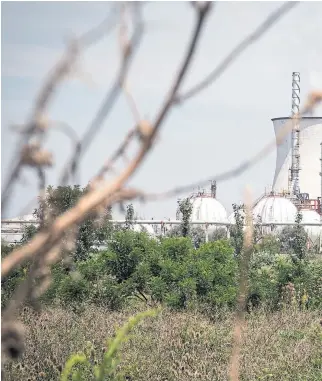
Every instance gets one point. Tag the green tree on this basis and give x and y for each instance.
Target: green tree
(294, 239)
(93, 231)
(218, 234)
(132, 260)
(185, 209)
(237, 230)
(198, 236)
(28, 232)
(300, 238)
(129, 217)
(214, 269)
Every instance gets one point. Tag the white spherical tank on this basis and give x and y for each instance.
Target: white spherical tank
(208, 209)
(311, 216)
(273, 209)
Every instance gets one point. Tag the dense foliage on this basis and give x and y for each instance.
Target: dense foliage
(116, 268)
(114, 265)
(173, 272)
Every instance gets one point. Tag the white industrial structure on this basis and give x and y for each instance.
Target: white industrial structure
(12, 232)
(311, 216)
(296, 186)
(205, 207)
(309, 151)
(273, 208)
(143, 228)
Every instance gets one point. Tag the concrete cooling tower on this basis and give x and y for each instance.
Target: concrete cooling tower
(310, 154)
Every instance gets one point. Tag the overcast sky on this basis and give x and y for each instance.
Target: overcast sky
(222, 126)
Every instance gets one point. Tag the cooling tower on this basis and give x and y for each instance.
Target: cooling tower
(310, 152)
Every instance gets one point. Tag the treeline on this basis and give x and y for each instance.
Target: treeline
(180, 271)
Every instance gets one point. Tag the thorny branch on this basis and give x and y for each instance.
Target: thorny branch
(237, 51)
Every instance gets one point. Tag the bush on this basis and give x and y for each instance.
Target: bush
(215, 270)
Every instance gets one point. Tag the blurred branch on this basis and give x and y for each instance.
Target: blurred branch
(37, 124)
(110, 99)
(237, 51)
(242, 290)
(313, 99)
(111, 192)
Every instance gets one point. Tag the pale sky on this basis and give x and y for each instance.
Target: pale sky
(218, 129)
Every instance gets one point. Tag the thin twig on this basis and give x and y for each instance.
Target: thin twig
(313, 99)
(108, 102)
(118, 153)
(55, 77)
(237, 51)
(111, 192)
(45, 240)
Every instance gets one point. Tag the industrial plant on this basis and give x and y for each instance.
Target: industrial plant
(297, 181)
(296, 185)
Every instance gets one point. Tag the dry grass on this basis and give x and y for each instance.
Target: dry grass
(176, 346)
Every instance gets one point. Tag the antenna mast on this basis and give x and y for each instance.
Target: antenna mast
(213, 189)
(295, 168)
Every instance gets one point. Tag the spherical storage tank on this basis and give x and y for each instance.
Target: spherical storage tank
(273, 209)
(311, 216)
(208, 209)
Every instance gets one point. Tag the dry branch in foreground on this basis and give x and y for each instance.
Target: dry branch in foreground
(45, 248)
(39, 249)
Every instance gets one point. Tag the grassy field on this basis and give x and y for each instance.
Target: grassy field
(175, 346)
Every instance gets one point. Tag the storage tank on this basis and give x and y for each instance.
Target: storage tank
(311, 216)
(207, 208)
(273, 208)
(309, 150)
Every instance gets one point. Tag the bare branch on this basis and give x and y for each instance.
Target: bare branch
(45, 240)
(35, 126)
(313, 99)
(118, 153)
(111, 192)
(237, 51)
(109, 100)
